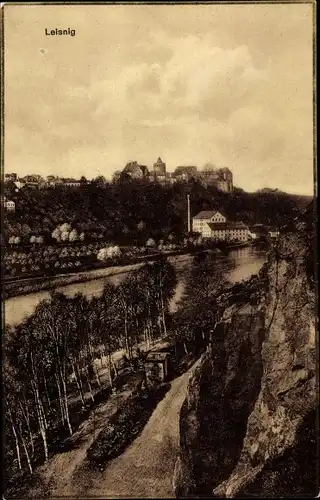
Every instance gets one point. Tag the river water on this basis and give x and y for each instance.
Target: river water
(238, 265)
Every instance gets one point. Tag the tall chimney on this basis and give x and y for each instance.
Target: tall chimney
(189, 218)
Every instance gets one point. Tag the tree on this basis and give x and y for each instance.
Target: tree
(110, 252)
(52, 321)
(73, 235)
(150, 243)
(64, 236)
(66, 227)
(105, 314)
(56, 234)
(141, 226)
(99, 181)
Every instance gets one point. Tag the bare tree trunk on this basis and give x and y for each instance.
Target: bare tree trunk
(27, 419)
(126, 334)
(91, 356)
(65, 399)
(159, 321)
(79, 376)
(89, 385)
(114, 367)
(39, 409)
(162, 310)
(60, 398)
(145, 334)
(26, 451)
(16, 439)
(42, 428)
(110, 370)
(46, 391)
(96, 374)
(78, 384)
(149, 332)
(45, 422)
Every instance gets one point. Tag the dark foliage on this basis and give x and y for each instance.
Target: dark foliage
(126, 424)
(131, 211)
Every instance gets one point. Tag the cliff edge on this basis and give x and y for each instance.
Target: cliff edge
(248, 426)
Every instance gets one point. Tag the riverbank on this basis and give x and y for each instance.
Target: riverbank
(25, 286)
(237, 265)
(33, 285)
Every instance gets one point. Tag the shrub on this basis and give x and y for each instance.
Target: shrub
(124, 426)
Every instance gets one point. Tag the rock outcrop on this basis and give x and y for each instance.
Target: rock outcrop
(248, 426)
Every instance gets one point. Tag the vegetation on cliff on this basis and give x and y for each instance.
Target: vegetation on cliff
(248, 425)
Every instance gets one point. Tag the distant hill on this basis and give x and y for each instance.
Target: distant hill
(301, 200)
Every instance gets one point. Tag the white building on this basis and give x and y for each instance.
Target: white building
(273, 233)
(229, 231)
(200, 223)
(213, 224)
(9, 205)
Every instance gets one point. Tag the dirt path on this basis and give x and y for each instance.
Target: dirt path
(55, 475)
(145, 469)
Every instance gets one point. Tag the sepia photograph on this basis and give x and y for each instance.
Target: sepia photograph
(159, 267)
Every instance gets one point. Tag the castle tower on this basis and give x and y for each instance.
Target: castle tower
(159, 168)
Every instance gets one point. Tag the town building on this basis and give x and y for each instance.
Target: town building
(55, 182)
(185, 173)
(222, 178)
(200, 223)
(135, 171)
(274, 233)
(213, 224)
(71, 182)
(18, 185)
(10, 177)
(9, 205)
(157, 367)
(229, 231)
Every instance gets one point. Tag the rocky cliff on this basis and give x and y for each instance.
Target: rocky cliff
(248, 424)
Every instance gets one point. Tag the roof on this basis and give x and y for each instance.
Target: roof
(144, 169)
(224, 226)
(159, 161)
(206, 214)
(185, 170)
(157, 356)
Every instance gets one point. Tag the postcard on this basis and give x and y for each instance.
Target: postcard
(159, 250)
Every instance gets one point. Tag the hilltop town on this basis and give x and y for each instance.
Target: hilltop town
(222, 178)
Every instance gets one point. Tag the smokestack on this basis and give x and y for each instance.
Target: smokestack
(189, 218)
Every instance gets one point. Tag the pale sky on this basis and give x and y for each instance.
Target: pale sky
(226, 84)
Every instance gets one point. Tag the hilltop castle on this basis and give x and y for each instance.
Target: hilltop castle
(222, 178)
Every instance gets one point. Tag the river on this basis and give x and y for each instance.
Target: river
(239, 264)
